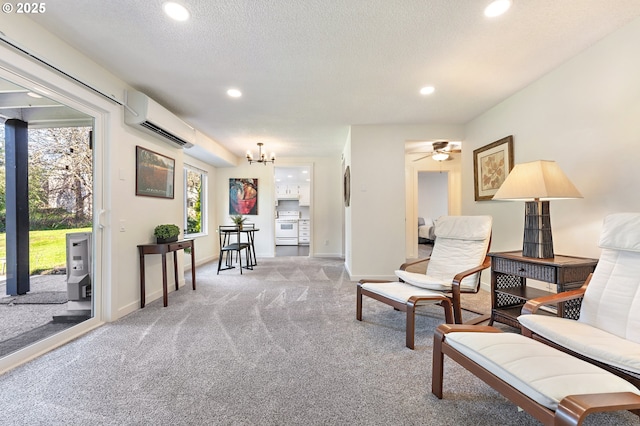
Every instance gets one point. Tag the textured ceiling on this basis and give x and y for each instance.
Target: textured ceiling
(310, 68)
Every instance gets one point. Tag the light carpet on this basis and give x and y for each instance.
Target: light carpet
(279, 345)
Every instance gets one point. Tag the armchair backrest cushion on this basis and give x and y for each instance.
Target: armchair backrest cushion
(612, 299)
(461, 244)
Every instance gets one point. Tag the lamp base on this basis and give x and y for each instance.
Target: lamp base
(537, 241)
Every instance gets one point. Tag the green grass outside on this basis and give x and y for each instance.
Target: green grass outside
(47, 249)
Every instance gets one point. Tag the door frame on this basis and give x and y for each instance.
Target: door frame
(21, 71)
(454, 183)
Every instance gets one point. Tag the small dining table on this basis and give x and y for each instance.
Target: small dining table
(250, 232)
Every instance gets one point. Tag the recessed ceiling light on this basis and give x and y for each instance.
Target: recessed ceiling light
(427, 90)
(497, 8)
(234, 93)
(175, 11)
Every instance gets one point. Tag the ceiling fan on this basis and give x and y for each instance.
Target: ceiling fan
(441, 151)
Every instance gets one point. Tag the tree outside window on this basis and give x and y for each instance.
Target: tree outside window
(60, 178)
(195, 202)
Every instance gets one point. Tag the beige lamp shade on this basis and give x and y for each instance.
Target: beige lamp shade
(537, 180)
(536, 183)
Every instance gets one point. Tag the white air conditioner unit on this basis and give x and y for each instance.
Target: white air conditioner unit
(143, 113)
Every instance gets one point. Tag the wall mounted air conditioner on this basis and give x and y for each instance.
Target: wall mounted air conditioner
(143, 113)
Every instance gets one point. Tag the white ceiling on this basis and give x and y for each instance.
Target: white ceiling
(310, 68)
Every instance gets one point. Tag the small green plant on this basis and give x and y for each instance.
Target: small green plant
(238, 219)
(166, 231)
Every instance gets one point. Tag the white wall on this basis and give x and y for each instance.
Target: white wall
(326, 205)
(585, 115)
(347, 211)
(265, 219)
(377, 221)
(433, 194)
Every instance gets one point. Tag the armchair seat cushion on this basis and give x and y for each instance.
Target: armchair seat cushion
(423, 281)
(586, 340)
(401, 292)
(541, 372)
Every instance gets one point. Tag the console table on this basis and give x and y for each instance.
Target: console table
(509, 290)
(163, 249)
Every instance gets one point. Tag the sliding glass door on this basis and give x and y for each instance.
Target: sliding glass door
(47, 251)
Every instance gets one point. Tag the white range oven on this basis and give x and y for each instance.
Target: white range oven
(287, 228)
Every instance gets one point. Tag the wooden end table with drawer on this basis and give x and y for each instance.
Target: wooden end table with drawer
(163, 249)
(509, 290)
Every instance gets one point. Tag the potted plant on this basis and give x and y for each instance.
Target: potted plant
(166, 233)
(238, 220)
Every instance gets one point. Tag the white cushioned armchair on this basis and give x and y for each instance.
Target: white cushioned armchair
(459, 255)
(607, 332)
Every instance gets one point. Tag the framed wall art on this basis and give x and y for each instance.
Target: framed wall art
(347, 187)
(155, 174)
(243, 196)
(491, 165)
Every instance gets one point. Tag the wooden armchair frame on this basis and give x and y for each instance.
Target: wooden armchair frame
(572, 410)
(533, 305)
(450, 303)
(456, 289)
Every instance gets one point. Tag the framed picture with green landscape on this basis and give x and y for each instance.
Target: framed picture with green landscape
(154, 174)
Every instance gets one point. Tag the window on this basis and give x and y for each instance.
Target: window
(195, 193)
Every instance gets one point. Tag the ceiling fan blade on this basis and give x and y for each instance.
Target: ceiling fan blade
(422, 158)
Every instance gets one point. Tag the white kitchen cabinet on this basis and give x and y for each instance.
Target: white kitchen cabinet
(304, 231)
(305, 194)
(287, 192)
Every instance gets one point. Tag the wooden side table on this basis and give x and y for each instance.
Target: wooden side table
(163, 249)
(509, 291)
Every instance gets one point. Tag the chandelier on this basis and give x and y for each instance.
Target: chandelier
(262, 158)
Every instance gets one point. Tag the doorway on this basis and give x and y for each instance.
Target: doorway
(46, 215)
(447, 199)
(293, 222)
(433, 202)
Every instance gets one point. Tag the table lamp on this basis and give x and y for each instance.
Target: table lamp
(536, 183)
